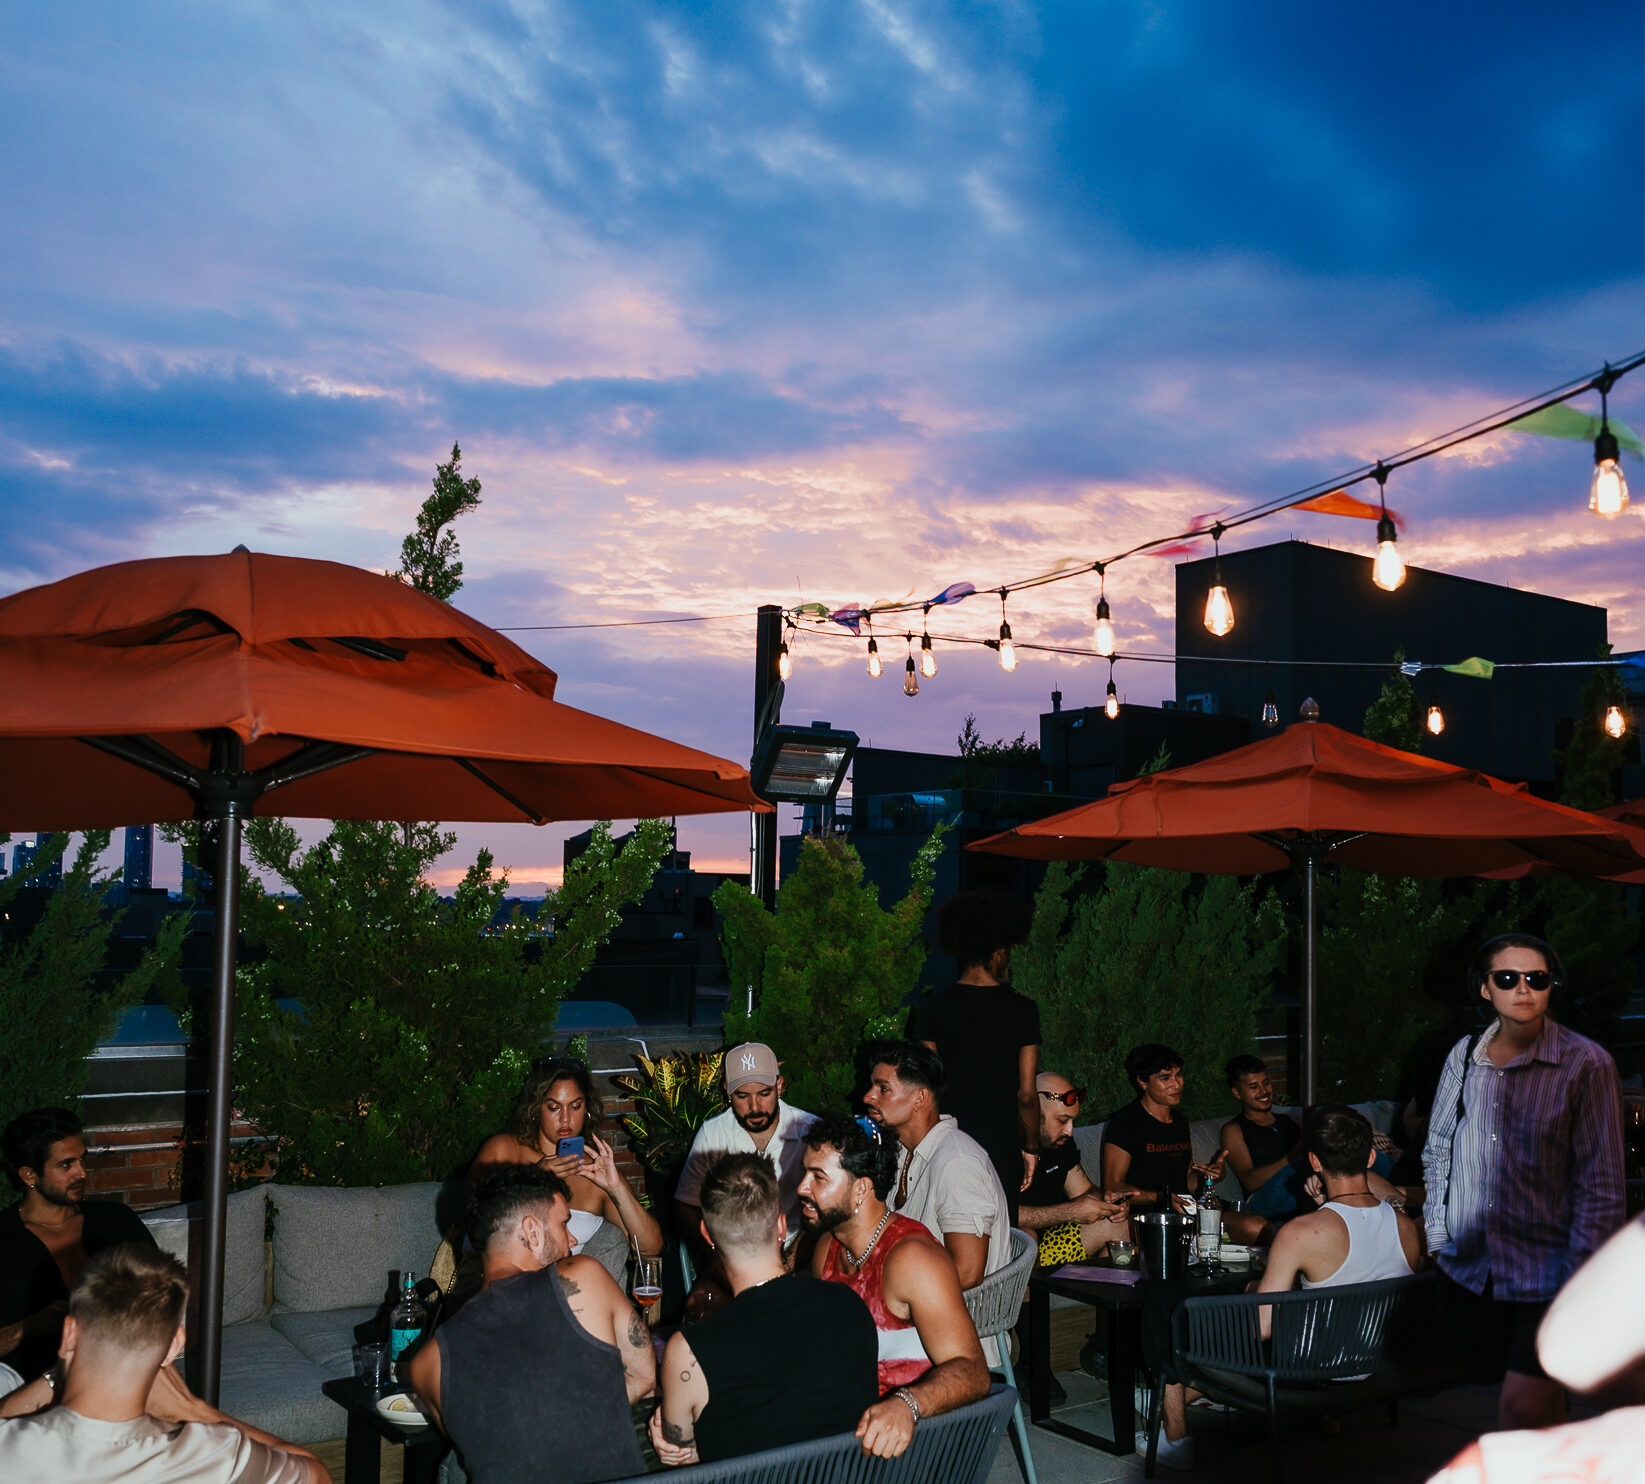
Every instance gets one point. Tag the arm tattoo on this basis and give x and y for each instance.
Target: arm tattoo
(680, 1437)
(637, 1335)
(569, 1286)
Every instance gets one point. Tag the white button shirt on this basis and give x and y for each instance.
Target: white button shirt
(952, 1187)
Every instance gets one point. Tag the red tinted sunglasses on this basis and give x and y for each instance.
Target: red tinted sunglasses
(1069, 1099)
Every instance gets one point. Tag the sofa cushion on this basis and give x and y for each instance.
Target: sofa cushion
(326, 1337)
(334, 1248)
(177, 1230)
(268, 1382)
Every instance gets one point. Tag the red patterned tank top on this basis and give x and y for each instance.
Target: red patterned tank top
(902, 1357)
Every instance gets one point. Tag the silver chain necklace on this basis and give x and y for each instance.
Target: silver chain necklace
(852, 1257)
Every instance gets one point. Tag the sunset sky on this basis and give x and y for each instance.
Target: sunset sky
(785, 301)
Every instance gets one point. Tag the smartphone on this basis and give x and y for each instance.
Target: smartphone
(570, 1148)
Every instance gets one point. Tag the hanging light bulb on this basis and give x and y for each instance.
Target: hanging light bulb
(910, 676)
(875, 668)
(1270, 706)
(1219, 608)
(1615, 722)
(1112, 704)
(928, 658)
(1387, 566)
(1008, 650)
(1608, 494)
(785, 661)
(1436, 718)
(1105, 625)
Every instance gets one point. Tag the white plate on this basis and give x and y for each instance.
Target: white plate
(403, 1408)
(1233, 1254)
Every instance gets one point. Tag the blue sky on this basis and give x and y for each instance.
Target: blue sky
(772, 302)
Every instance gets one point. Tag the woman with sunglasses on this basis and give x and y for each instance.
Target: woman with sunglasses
(1523, 1168)
(559, 1103)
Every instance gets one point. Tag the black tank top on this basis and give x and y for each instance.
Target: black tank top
(1267, 1142)
(791, 1360)
(528, 1394)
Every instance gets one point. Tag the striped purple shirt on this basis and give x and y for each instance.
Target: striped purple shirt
(1529, 1182)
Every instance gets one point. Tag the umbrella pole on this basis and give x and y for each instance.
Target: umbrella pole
(220, 1108)
(1310, 978)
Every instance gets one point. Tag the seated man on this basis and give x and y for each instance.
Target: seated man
(790, 1360)
(1354, 1238)
(945, 1179)
(1148, 1147)
(49, 1236)
(544, 1360)
(1262, 1144)
(1073, 1219)
(756, 1121)
(930, 1360)
(121, 1412)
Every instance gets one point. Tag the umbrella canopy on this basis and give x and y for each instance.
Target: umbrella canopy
(224, 686)
(120, 681)
(1315, 794)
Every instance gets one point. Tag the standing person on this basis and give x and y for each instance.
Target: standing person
(558, 1102)
(788, 1360)
(1523, 1170)
(987, 1034)
(49, 1236)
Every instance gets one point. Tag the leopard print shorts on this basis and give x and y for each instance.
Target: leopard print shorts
(1061, 1243)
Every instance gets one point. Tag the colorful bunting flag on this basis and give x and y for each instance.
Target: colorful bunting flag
(1478, 668)
(1340, 502)
(1566, 421)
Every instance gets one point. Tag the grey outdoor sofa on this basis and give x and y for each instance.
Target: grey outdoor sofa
(293, 1302)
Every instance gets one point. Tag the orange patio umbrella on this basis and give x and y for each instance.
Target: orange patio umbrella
(220, 687)
(1314, 795)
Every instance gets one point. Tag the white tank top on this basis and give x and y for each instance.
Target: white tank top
(1374, 1248)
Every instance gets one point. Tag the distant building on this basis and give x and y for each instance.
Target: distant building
(50, 877)
(1303, 606)
(138, 874)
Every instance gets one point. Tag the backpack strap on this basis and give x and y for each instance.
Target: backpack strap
(1467, 1061)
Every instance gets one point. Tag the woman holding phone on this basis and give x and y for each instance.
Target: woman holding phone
(553, 1125)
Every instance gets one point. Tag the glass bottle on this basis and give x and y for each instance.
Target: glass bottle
(1210, 1220)
(410, 1315)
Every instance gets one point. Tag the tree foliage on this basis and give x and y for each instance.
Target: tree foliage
(828, 962)
(386, 1031)
(52, 1002)
(1148, 955)
(1394, 718)
(428, 556)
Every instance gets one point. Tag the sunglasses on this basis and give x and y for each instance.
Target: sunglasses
(559, 1063)
(1070, 1099)
(872, 1129)
(1535, 979)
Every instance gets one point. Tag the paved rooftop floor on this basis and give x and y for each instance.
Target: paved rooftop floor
(1233, 1449)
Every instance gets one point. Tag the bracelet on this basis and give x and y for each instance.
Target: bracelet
(908, 1396)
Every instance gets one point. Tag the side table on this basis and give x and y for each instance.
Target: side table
(362, 1463)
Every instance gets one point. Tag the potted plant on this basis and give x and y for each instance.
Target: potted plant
(673, 1097)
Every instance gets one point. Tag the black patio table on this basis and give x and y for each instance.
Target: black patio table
(424, 1446)
(1122, 1303)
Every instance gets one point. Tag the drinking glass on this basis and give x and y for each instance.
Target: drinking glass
(648, 1286)
(371, 1365)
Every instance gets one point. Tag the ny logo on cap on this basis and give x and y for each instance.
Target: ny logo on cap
(748, 1061)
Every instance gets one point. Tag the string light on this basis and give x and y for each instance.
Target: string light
(1112, 704)
(928, 658)
(1387, 566)
(1436, 718)
(875, 668)
(1608, 494)
(1615, 722)
(910, 676)
(785, 659)
(1270, 706)
(1008, 650)
(1105, 625)
(1219, 608)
